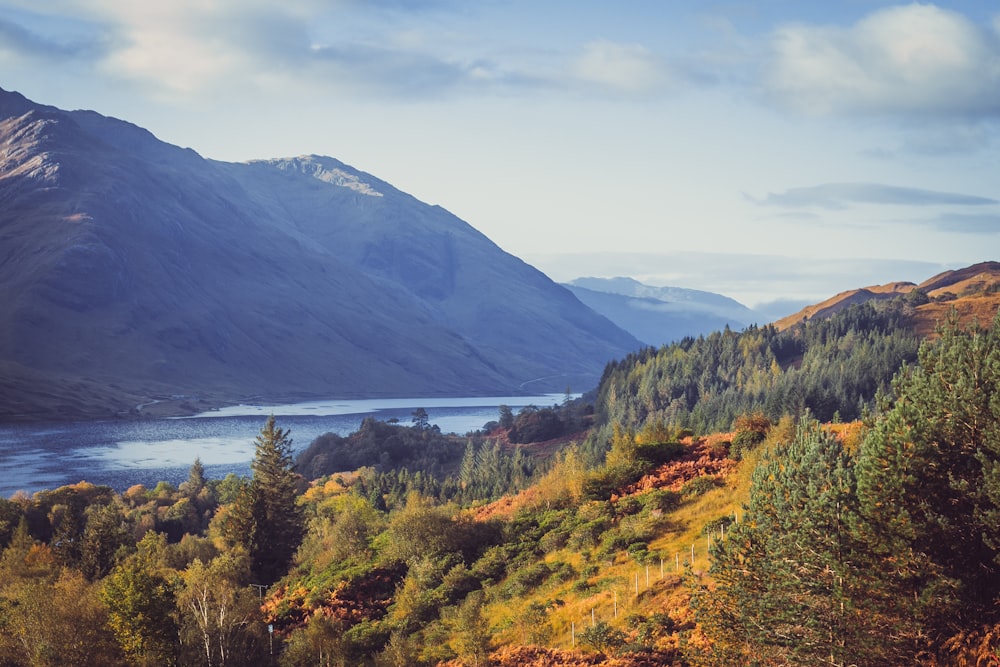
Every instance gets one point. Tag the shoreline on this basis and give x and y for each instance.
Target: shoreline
(179, 406)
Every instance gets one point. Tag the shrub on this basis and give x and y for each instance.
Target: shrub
(744, 442)
(525, 579)
(602, 637)
(588, 535)
(553, 540)
(659, 453)
(699, 486)
(628, 506)
(602, 484)
(660, 499)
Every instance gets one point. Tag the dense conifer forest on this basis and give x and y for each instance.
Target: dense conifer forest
(828, 494)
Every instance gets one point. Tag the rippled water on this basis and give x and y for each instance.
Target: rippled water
(122, 453)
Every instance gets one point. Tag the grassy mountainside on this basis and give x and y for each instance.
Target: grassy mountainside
(974, 291)
(639, 543)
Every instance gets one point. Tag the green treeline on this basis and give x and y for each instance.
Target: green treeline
(159, 576)
(832, 367)
(886, 554)
(382, 445)
(380, 548)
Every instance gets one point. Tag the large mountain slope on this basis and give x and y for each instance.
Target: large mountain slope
(660, 315)
(972, 293)
(134, 271)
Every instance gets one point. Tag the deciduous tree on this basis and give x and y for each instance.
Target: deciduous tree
(140, 603)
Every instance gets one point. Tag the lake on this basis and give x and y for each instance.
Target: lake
(119, 454)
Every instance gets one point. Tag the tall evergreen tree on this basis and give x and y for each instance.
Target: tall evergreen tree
(786, 578)
(265, 517)
(929, 483)
(196, 479)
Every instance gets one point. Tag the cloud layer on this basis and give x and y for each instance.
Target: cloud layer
(837, 196)
(908, 59)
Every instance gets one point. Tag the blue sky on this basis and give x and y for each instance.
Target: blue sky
(765, 150)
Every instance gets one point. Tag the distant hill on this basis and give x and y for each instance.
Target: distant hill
(660, 315)
(832, 358)
(136, 272)
(973, 292)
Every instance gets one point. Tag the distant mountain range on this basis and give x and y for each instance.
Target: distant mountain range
(136, 272)
(661, 315)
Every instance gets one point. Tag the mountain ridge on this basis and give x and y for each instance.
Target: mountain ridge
(140, 271)
(978, 296)
(660, 315)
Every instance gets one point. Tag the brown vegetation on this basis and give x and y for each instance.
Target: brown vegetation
(972, 291)
(533, 656)
(703, 456)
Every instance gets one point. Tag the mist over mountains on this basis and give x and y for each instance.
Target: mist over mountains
(661, 315)
(134, 271)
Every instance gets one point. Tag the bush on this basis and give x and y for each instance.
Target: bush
(699, 485)
(602, 637)
(663, 500)
(628, 506)
(744, 442)
(660, 452)
(602, 484)
(527, 578)
(588, 535)
(554, 540)
(562, 571)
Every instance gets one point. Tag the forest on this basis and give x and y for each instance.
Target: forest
(829, 494)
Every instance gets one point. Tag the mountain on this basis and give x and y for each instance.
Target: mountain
(134, 271)
(972, 292)
(660, 315)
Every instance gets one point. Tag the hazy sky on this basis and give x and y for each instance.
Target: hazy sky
(765, 150)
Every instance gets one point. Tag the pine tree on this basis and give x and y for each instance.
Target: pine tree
(786, 580)
(929, 483)
(265, 517)
(196, 479)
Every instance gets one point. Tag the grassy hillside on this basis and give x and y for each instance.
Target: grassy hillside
(605, 533)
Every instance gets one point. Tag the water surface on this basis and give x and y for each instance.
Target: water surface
(122, 453)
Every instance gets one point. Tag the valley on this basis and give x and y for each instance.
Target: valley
(596, 472)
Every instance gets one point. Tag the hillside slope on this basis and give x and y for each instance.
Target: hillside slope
(973, 291)
(134, 271)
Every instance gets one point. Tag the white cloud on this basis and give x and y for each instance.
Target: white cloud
(836, 196)
(188, 46)
(624, 68)
(908, 59)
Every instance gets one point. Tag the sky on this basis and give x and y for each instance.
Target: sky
(768, 150)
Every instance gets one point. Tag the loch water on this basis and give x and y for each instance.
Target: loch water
(120, 454)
